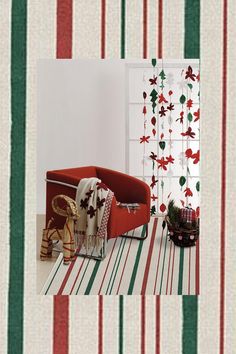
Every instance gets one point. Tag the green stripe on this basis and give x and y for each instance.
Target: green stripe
(83, 276)
(17, 180)
(192, 29)
(163, 264)
(122, 53)
(190, 323)
(121, 320)
(191, 50)
(54, 276)
(92, 278)
(122, 241)
(117, 267)
(181, 270)
(135, 269)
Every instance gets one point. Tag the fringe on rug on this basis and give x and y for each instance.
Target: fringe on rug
(89, 242)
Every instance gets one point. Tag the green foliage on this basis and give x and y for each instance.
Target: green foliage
(162, 75)
(190, 117)
(182, 180)
(154, 62)
(173, 213)
(182, 99)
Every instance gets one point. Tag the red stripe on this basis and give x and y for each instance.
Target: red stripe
(160, 27)
(103, 28)
(100, 324)
(104, 275)
(145, 15)
(189, 270)
(149, 257)
(197, 269)
(223, 181)
(60, 325)
(167, 283)
(143, 314)
(158, 262)
(61, 303)
(158, 332)
(64, 29)
(172, 272)
(77, 276)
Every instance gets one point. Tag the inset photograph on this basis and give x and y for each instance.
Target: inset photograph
(118, 177)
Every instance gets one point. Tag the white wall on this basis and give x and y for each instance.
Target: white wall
(81, 117)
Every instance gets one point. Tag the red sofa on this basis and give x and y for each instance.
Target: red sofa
(126, 189)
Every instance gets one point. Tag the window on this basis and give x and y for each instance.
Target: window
(163, 132)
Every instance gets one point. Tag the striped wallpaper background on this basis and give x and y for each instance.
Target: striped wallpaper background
(117, 28)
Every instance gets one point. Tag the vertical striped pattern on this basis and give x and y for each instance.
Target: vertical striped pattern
(64, 50)
(60, 324)
(223, 178)
(230, 222)
(131, 267)
(180, 23)
(160, 27)
(17, 181)
(103, 28)
(190, 303)
(5, 114)
(64, 29)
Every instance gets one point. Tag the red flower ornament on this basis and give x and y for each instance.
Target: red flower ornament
(162, 163)
(188, 192)
(189, 74)
(189, 103)
(170, 159)
(162, 99)
(153, 81)
(197, 115)
(189, 133)
(144, 139)
(162, 111)
(154, 182)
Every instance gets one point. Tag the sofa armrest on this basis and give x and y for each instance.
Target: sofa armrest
(127, 189)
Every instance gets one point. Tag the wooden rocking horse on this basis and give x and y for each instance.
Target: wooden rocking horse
(66, 234)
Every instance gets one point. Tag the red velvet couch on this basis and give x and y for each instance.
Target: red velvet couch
(126, 189)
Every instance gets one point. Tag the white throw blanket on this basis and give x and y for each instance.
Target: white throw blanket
(93, 199)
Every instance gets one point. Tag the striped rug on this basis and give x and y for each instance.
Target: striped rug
(35, 324)
(154, 266)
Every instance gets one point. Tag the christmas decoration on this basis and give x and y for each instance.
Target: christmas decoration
(170, 138)
(183, 225)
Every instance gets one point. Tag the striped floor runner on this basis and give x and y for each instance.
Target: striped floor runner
(154, 266)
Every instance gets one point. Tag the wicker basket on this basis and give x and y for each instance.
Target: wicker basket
(182, 237)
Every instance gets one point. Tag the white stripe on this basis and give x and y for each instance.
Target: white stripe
(5, 111)
(152, 28)
(87, 29)
(132, 324)
(110, 324)
(175, 264)
(40, 29)
(52, 276)
(230, 276)
(193, 273)
(208, 330)
(113, 276)
(142, 262)
(113, 29)
(173, 29)
(185, 271)
(134, 29)
(170, 324)
(150, 323)
(83, 324)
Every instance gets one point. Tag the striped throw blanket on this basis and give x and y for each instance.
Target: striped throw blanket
(93, 199)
